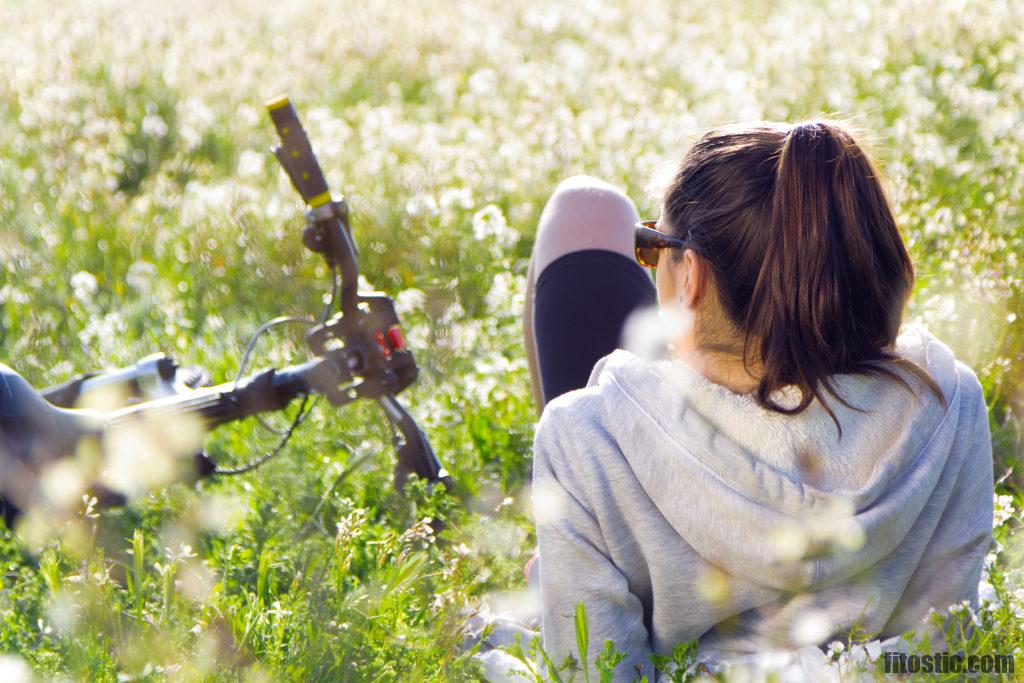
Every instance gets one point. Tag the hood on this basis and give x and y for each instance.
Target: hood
(782, 500)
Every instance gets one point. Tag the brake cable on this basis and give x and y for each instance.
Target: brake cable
(301, 414)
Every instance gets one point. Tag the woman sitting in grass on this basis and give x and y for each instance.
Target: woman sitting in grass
(797, 471)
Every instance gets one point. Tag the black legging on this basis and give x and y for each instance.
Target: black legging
(581, 301)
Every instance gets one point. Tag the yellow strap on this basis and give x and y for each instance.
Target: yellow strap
(320, 199)
(277, 102)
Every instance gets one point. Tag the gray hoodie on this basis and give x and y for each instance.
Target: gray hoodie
(676, 509)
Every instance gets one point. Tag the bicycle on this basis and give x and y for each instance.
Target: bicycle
(360, 351)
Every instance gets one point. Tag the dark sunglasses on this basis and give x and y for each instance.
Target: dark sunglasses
(648, 243)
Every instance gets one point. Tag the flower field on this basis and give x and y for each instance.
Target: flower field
(141, 211)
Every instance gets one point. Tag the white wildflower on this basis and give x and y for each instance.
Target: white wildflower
(1003, 511)
(507, 294)
(14, 669)
(140, 276)
(811, 627)
(409, 300)
(490, 225)
(836, 648)
(84, 285)
(456, 197)
(154, 126)
(250, 163)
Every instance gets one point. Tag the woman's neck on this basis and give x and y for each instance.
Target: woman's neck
(724, 370)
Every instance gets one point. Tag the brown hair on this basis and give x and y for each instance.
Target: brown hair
(807, 262)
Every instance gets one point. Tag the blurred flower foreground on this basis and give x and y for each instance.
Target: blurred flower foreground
(140, 211)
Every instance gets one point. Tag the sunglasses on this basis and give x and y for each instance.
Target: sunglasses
(649, 241)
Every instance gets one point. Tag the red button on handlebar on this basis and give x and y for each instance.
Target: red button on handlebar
(396, 339)
(379, 336)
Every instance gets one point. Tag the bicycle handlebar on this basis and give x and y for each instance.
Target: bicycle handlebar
(367, 326)
(296, 154)
(360, 351)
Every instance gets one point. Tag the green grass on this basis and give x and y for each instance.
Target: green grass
(133, 149)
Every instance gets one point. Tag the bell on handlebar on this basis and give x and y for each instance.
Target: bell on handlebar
(313, 239)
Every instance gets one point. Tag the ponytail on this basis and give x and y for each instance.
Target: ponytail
(807, 261)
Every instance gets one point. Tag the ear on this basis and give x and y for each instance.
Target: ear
(693, 277)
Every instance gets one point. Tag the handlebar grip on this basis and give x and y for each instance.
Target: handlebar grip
(296, 154)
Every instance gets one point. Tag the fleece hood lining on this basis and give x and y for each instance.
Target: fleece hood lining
(811, 499)
(733, 431)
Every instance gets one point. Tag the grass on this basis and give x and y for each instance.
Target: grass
(139, 211)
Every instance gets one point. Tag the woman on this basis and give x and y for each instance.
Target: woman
(794, 472)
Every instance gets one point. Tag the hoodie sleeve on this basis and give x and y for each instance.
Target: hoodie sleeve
(574, 561)
(950, 568)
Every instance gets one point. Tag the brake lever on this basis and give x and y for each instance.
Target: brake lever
(415, 455)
